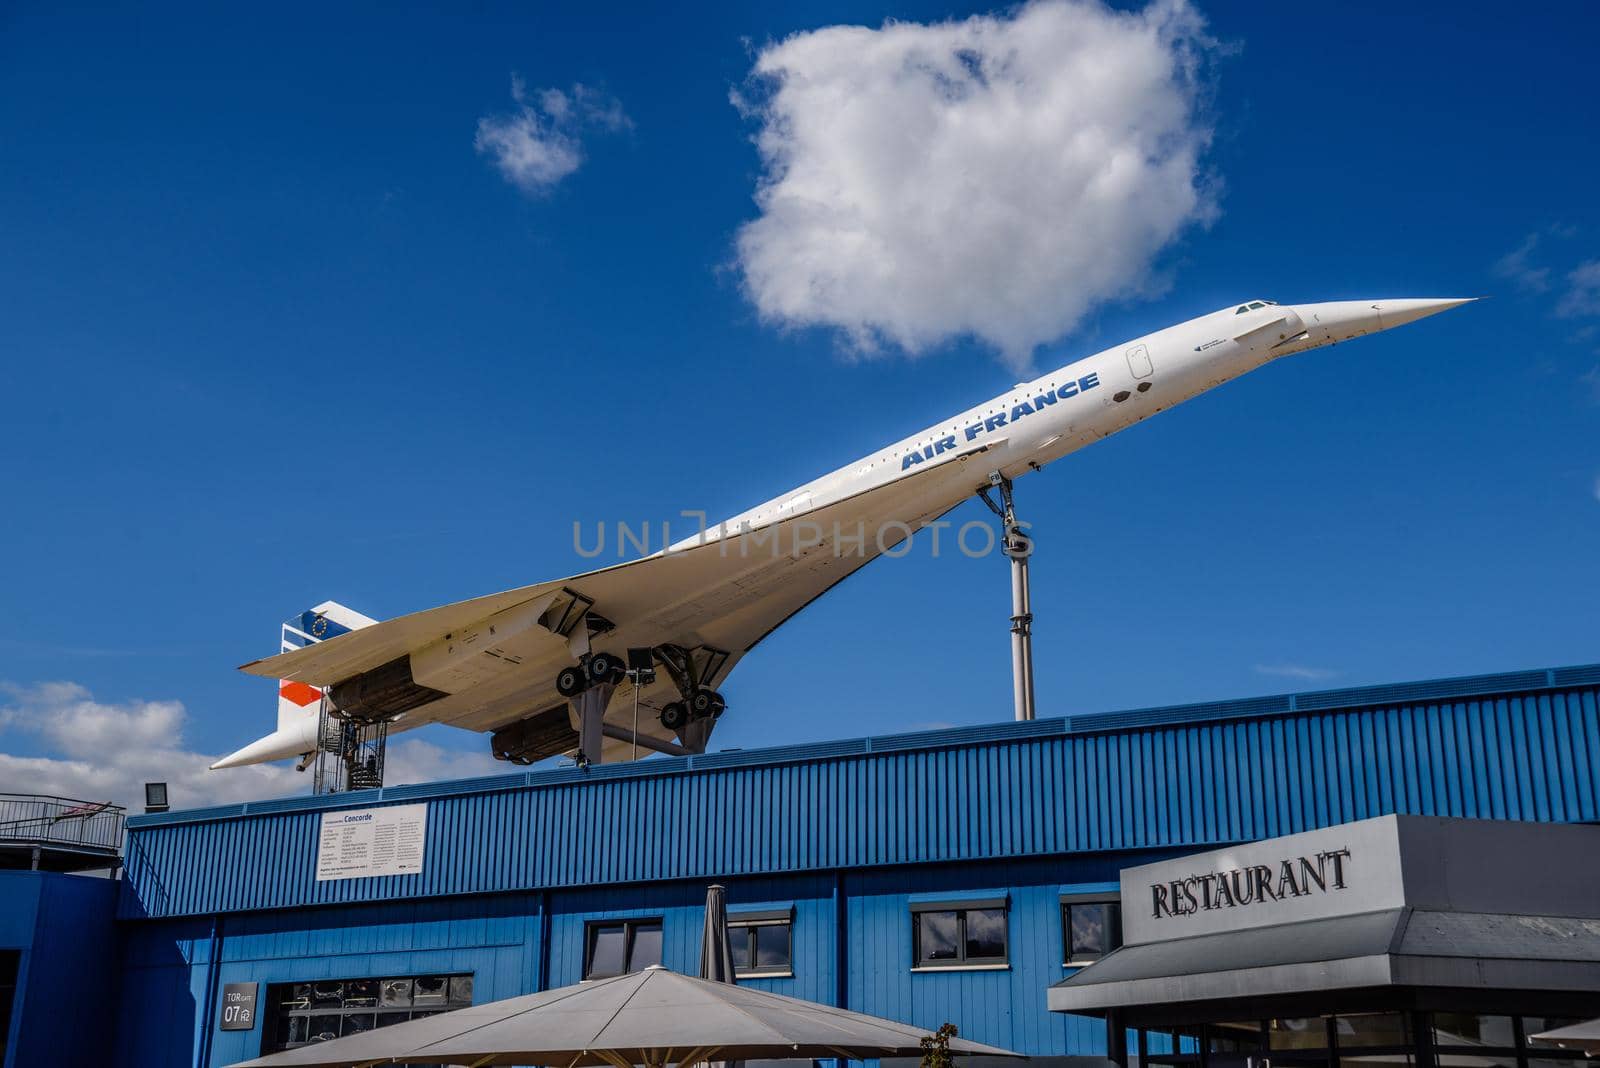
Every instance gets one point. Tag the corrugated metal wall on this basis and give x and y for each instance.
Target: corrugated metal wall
(1035, 789)
(62, 924)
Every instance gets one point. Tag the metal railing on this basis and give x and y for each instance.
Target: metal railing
(61, 823)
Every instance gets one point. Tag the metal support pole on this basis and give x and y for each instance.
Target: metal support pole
(591, 707)
(1018, 547)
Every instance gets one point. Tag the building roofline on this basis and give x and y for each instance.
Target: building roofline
(1399, 694)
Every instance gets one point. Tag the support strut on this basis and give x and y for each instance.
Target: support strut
(1018, 547)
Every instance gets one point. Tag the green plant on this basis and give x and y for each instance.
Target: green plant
(936, 1048)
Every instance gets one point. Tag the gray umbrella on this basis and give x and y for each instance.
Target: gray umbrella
(716, 954)
(654, 1017)
(1584, 1036)
(716, 950)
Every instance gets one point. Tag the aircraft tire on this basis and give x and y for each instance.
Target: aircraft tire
(675, 715)
(603, 667)
(706, 703)
(571, 681)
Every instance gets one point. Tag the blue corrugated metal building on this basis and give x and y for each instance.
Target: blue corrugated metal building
(530, 880)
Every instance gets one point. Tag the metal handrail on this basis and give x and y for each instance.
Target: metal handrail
(47, 820)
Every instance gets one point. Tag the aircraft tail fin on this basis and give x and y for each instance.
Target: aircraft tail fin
(299, 703)
(327, 620)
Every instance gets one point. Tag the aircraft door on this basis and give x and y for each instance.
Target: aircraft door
(1139, 362)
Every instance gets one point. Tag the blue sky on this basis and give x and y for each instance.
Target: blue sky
(276, 330)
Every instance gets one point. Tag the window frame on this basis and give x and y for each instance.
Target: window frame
(745, 924)
(630, 929)
(961, 907)
(1113, 935)
(279, 1006)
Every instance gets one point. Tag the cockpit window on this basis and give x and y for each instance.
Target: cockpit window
(1253, 305)
(1242, 309)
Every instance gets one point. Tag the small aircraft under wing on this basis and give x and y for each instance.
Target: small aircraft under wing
(542, 666)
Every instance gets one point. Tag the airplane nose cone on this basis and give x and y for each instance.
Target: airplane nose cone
(1342, 320)
(1393, 313)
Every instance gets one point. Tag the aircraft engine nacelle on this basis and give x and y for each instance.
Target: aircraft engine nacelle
(543, 734)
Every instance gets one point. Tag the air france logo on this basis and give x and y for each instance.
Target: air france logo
(994, 422)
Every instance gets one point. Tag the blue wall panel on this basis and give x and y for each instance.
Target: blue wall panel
(63, 924)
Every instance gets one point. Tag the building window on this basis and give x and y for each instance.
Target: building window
(302, 1014)
(1091, 927)
(617, 947)
(956, 934)
(763, 943)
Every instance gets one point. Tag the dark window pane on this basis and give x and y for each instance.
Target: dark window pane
(1297, 1032)
(938, 936)
(326, 995)
(1090, 937)
(986, 934)
(739, 938)
(772, 946)
(357, 1022)
(646, 946)
(430, 991)
(361, 994)
(607, 951)
(323, 1029)
(299, 1032)
(1471, 1029)
(461, 990)
(1243, 1036)
(394, 992)
(1372, 1029)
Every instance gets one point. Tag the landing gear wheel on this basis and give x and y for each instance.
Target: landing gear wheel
(604, 667)
(675, 715)
(571, 681)
(706, 703)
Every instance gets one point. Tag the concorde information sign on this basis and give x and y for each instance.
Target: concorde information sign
(372, 841)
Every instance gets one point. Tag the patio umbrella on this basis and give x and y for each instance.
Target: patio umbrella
(654, 1018)
(716, 953)
(1584, 1036)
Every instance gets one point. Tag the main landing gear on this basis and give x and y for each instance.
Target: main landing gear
(597, 669)
(702, 703)
(589, 683)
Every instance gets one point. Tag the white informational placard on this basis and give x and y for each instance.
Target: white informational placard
(372, 841)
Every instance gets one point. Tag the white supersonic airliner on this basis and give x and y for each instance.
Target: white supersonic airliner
(542, 667)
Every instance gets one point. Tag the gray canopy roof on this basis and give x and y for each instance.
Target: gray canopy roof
(1392, 947)
(653, 1017)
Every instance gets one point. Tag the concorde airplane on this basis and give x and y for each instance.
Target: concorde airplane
(542, 667)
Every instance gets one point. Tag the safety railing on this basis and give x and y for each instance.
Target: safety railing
(61, 823)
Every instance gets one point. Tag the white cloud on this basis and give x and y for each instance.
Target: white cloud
(538, 144)
(1296, 671)
(996, 177)
(1517, 266)
(1582, 296)
(107, 752)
